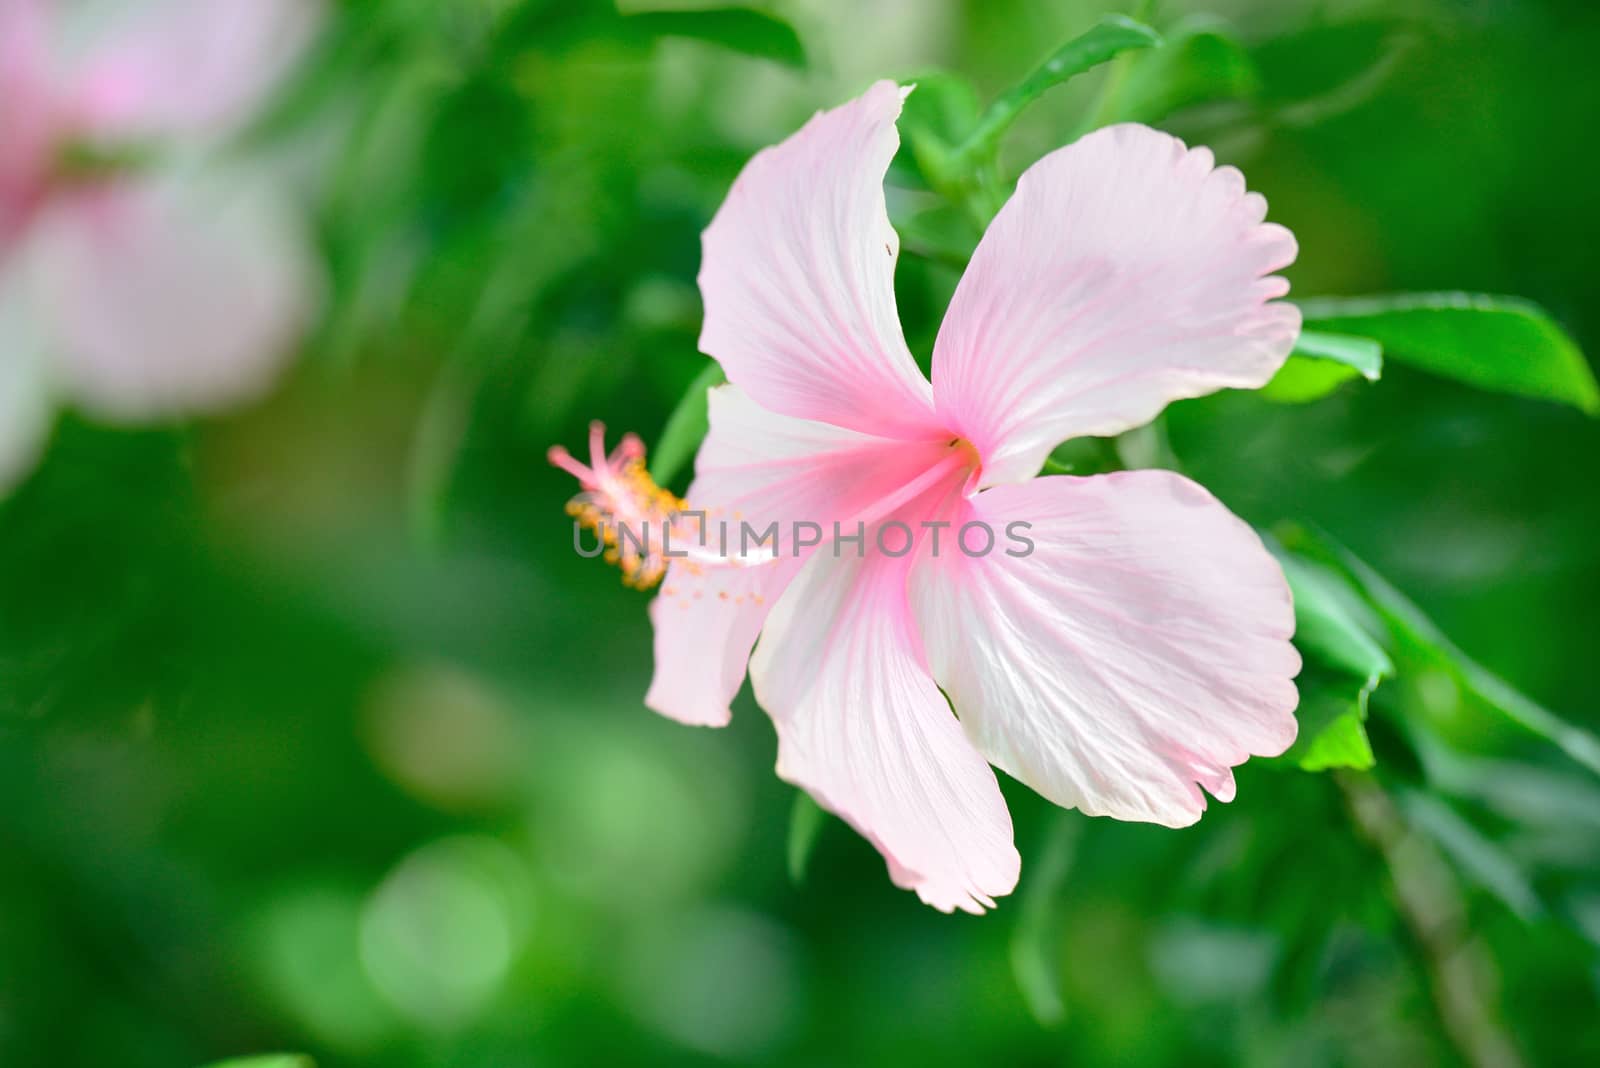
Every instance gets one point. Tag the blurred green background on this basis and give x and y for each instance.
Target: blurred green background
(316, 736)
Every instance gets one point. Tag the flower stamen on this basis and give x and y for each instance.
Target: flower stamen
(621, 503)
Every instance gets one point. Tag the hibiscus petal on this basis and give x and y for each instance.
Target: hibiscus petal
(26, 115)
(22, 55)
(172, 297)
(758, 468)
(194, 66)
(863, 729)
(798, 277)
(1125, 273)
(1140, 648)
(706, 621)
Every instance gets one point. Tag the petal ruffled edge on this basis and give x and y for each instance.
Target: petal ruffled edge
(1139, 650)
(1126, 272)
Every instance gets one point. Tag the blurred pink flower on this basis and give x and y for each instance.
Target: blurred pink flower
(139, 291)
(1140, 650)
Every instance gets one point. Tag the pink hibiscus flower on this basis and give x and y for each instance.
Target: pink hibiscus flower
(134, 289)
(1125, 642)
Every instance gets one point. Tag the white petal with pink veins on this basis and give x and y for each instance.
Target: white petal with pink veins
(1142, 648)
(863, 729)
(173, 297)
(798, 277)
(1126, 272)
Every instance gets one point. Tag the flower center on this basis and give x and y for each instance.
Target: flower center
(974, 461)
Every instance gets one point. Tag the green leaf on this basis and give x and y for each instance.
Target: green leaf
(1322, 362)
(1331, 621)
(1200, 61)
(1336, 727)
(806, 820)
(940, 113)
(1360, 354)
(267, 1060)
(1503, 344)
(1109, 38)
(1303, 379)
(940, 103)
(1420, 647)
(686, 427)
(1343, 665)
(740, 29)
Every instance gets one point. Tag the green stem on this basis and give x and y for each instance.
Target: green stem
(1112, 36)
(1429, 899)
